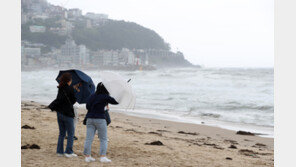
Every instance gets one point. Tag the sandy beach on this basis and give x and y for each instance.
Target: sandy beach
(130, 143)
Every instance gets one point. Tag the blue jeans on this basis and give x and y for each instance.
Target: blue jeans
(66, 124)
(92, 125)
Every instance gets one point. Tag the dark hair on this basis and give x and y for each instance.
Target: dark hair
(101, 89)
(64, 79)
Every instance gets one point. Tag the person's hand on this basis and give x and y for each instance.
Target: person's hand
(78, 90)
(76, 87)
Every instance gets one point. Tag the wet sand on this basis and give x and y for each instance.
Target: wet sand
(129, 137)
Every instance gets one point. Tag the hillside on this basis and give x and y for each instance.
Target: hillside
(119, 34)
(112, 35)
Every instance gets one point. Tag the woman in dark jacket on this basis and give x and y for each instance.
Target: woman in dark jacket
(65, 115)
(96, 121)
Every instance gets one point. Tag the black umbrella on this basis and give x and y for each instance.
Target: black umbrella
(85, 83)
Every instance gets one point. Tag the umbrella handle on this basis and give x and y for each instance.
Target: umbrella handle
(129, 80)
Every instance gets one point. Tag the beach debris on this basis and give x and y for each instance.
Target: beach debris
(247, 152)
(34, 146)
(228, 158)
(25, 146)
(232, 146)
(188, 133)
(27, 127)
(202, 122)
(213, 145)
(231, 141)
(133, 130)
(259, 145)
(155, 133)
(162, 130)
(265, 153)
(247, 140)
(209, 144)
(118, 127)
(218, 147)
(245, 133)
(28, 146)
(157, 143)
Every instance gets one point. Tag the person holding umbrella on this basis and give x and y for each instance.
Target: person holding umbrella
(96, 120)
(84, 87)
(63, 104)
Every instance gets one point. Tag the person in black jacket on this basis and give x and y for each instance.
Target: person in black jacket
(65, 115)
(96, 121)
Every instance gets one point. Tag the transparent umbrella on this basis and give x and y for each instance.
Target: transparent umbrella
(119, 88)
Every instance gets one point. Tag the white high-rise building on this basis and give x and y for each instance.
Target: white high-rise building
(73, 55)
(128, 55)
(69, 53)
(107, 58)
(83, 55)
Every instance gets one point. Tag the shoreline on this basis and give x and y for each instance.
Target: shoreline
(207, 130)
(212, 123)
(182, 144)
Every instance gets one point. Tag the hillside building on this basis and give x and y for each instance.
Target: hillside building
(73, 55)
(74, 13)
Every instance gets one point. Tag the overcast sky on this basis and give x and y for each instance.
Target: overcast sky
(213, 33)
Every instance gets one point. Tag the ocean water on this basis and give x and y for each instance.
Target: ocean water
(232, 98)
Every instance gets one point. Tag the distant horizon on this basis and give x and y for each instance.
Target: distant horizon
(244, 38)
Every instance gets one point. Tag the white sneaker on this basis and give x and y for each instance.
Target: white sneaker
(70, 155)
(60, 155)
(105, 159)
(89, 159)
